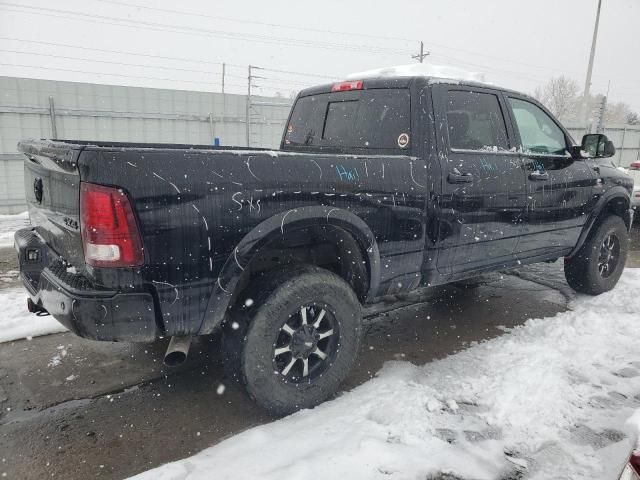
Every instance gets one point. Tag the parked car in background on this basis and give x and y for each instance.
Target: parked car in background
(381, 185)
(631, 470)
(634, 172)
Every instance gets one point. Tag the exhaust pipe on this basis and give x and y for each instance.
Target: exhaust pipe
(35, 308)
(177, 351)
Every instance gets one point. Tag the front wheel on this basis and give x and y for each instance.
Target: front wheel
(597, 266)
(300, 340)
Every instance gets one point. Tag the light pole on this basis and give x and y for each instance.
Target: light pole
(587, 83)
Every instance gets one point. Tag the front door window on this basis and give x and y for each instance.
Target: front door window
(539, 134)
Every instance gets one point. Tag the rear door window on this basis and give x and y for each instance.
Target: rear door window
(384, 117)
(369, 119)
(475, 121)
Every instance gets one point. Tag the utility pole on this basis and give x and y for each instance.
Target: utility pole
(250, 79)
(602, 108)
(422, 55)
(52, 114)
(224, 65)
(587, 83)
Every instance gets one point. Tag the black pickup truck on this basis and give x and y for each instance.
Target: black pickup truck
(380, 186)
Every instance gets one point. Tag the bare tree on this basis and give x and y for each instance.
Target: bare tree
(560, 96)
(633, 118)
(617, 113)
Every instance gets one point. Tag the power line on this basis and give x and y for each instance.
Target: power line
(422, 55)
(116, 63)
(210, 62)
(301, 73)
(483, 67)
(254, 22)
(511, 61)
(457, 60)
(117, 74)
(67, 45)
(162, 57)
(283, 83)
(155, 26)
(276, 40)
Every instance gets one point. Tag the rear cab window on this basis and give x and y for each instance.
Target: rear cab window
(375, 120)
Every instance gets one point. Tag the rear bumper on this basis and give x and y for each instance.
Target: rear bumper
(81, 307)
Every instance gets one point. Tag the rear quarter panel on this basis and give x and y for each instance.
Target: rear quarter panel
(195, 206)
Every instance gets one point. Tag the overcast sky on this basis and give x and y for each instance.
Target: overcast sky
(518, 44)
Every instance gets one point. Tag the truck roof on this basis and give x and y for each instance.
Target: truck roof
(404, 82)
(401, 76)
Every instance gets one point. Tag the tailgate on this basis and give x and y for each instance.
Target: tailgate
(52, 189)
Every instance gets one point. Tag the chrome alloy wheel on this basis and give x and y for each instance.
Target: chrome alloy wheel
(306, 345)
(609, 255)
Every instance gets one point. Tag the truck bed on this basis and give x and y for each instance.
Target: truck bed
(203, 212)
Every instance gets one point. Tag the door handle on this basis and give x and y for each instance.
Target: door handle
(537, 175)
(457, 177)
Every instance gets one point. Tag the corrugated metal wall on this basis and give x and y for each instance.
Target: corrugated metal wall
(85, 111)
(626, 139)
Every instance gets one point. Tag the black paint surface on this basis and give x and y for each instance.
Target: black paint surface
(206, 213)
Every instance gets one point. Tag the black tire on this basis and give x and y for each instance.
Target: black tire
(598, 264)
(253, 334)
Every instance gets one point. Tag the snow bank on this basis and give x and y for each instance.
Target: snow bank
(421, 70)
(9, 224)
(549, 399)
(16, 322)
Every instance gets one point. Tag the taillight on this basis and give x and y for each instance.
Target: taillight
(110, 235)
(634, 166)
(345, 86)
(634, 461)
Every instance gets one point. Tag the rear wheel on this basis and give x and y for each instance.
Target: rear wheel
(597, 266)
(298, 341)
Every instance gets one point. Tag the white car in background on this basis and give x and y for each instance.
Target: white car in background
(634, 172)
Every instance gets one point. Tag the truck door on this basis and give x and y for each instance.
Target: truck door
(559, 188)
(481, 208)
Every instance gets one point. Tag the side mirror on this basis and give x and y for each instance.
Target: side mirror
(596, 145)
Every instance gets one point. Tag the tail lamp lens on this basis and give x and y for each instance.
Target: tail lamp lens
(110, 234)
(346, 86)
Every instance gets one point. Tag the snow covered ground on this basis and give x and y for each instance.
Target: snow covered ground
(9, 224)
(548, 400)
(16, 322)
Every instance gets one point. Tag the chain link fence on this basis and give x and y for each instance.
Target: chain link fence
(626, 139)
